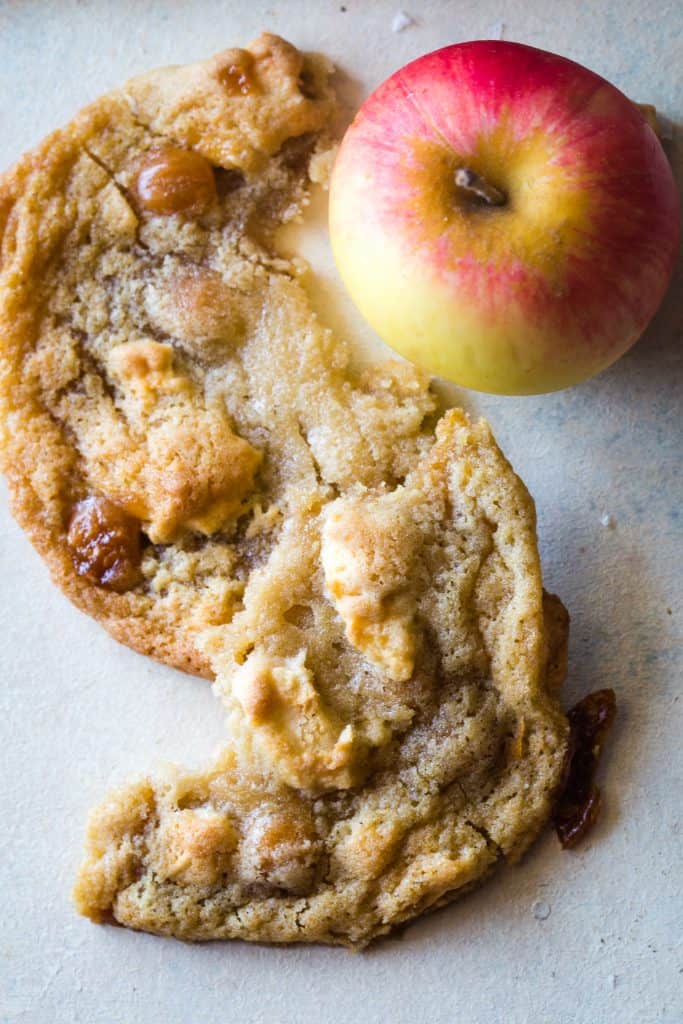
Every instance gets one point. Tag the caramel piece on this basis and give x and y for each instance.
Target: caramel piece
(368, 546)
(194, 472)
(199, 309)
(291, 729)
(175, 181)
(235, 78)
(105, 544)
(280, 850)
(195, 846)
(146, 367)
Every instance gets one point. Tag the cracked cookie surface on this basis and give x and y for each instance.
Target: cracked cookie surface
(188, 449)
(366, 779)
(167, 393)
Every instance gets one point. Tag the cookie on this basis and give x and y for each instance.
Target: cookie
(391, 686)
(167, 394)
(190, 451)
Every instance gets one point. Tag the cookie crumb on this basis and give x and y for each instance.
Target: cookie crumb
(607, 521)
(401, 21)
(541, 910)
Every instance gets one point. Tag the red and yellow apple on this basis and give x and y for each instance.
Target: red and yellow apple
(504, 217)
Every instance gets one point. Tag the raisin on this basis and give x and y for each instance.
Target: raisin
(579, 805)
(175, 181)
(105, 544)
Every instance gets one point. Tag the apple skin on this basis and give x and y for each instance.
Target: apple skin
(531, 296)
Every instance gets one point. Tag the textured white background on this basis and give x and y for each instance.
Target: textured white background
(78, 712)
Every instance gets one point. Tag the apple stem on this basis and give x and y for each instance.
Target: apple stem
(473, 182)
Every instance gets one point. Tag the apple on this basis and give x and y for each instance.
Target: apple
(504, 217)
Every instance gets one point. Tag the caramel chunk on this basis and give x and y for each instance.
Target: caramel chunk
(105, 544)
(146, 368)
(199, 309)
(291, 729)
(195, 846)
(368, 546)
(192, 472)
(280, 850)
(175, 181)
(577, 811)
(236, 76)
(367, 846)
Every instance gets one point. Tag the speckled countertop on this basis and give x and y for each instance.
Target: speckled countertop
(78, 712)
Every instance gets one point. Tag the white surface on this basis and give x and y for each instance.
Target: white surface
(79, 712)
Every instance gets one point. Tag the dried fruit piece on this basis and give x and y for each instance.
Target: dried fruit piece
(175, 181)
(579, 805)
(105, 544)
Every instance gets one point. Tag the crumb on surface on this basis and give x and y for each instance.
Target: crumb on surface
(401, 21)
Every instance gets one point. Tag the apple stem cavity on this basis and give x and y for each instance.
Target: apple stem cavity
(479, 187)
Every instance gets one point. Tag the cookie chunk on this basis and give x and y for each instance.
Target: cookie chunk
(391, 689)
(167, 395)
